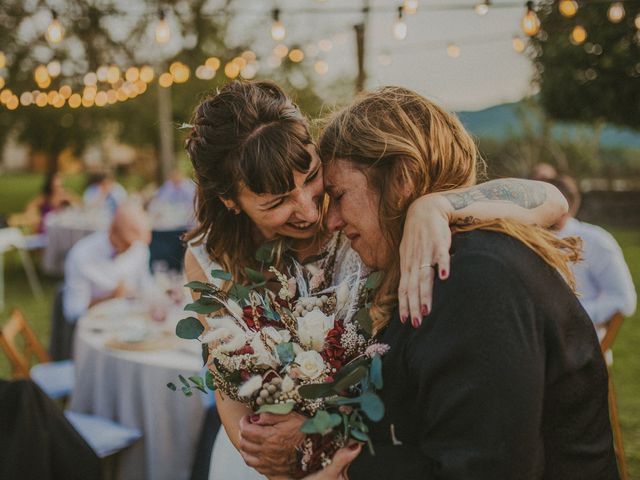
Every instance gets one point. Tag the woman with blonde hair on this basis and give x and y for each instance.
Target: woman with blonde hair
(259, 178)
(505, 378)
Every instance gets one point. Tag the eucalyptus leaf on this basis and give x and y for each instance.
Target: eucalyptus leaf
(277, 408)
(187, 391)
(203, 307)
(351, 379)
(309, 427)
(364, 321)
(239, 292)
(347, 369)
(285, 353)
(198, 286)
(254, 275)
(208, 381)
(184, 381)
(265, 253)
(322, 421)
(172, 386)
(189, 328)
(372, 406)
(197, 380)
(316, 390)
(205, 353)
(373, 280)
(221, 274)
(358, 435)
(375, 371)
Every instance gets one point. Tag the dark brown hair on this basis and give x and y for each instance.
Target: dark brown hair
(247, 134)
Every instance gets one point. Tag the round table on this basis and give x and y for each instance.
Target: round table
(130, 387)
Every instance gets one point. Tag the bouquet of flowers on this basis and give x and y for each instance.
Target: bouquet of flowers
(291, 348)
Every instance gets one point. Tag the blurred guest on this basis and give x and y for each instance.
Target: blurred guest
(172, 206)
(111, 264)
(52, 197)
(104, 192)
(543, 171)
(177, 189)
(603, 279)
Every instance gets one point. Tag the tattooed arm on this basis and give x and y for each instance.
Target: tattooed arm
(427, 237)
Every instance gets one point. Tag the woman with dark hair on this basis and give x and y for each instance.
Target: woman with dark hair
(52, 197)
(506, 379)
(259, 178)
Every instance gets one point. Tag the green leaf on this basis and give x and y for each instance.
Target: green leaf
(197, 380)
(277, 408)
(205, 353)
(187, 391)
(314, 258)
(184, 381)
(221, 274)
(350, 379)
(254, 275)
(372, 406)
(316, 390)
(364, 321)
(239, 292)
(358, 435)
(324, 422)
(265, 253)
(309, 427)
(208, 381)
(203, 307)
(198, 286)
(189, 328)
(375, 371)
(373, 280)
(347, 369)
(172, 386)
(285, 352)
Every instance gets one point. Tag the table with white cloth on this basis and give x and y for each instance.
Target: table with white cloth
(129, 386)
(64, 229)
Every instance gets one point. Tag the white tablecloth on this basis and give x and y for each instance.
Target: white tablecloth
(63, 230)
(129, 387)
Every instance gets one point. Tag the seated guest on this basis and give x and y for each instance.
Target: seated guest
(177, 189)
(172, 206)
(603, 280)
(104, 192)
(106, 265)
(52, 197)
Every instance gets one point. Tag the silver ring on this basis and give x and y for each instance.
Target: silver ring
(427, 265)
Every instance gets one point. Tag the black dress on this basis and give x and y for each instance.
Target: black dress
(503, 380)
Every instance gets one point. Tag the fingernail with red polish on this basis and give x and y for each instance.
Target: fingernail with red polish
(424, 310)
(415, 322)
(443, 273)
(354, 446)
(403, 318)
(254, 418)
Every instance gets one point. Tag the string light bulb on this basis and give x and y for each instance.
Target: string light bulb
(163, 31)
(410, 6)
(530, 21)
(278, 32)
(453, 50)
(578, 35)
(518, 44)
(616, 12)
(482, 8)
(400, 28)
(568, 8)
(636, 21)
(3, 60)
(55, 30)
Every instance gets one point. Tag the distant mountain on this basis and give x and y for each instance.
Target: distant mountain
(502, 121)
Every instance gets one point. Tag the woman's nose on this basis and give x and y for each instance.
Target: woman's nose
(308, 208)
(334, 220)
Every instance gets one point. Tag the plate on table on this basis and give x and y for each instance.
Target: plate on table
(113, 313)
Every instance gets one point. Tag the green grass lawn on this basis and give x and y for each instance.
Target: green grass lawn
(15, 192)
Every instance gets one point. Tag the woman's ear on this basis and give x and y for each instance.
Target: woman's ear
(230, 204)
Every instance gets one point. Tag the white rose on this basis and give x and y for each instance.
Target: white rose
(311, 364)
(224, 334)
(313, 327)
(251, 386)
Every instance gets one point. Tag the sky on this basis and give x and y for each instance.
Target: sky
(488, 71)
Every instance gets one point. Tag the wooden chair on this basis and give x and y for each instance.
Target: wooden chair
(611, 329)
(55, 378)
(21, 359)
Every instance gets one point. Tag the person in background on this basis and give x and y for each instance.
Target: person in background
(106, 265)
(104, 192)
(603, 281)
(173, 204)
(177, 189)
(52, 198)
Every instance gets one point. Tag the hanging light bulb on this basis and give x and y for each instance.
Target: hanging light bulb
(400, 28)
(568, 8)
(530, 21)
(453, 50)
(636, 21)
(578, 35)
(616, 12)
(55, 30)
(518, 44)
(410, 6)
(482, 8)
(278, 32)
(163, 31)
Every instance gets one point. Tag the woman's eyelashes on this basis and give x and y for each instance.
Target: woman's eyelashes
(312, 177)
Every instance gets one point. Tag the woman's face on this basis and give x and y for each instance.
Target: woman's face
(295, 214)
(354, 210)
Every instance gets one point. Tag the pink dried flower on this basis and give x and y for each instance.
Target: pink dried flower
(316, 280)
(376, 349)
(293, 286)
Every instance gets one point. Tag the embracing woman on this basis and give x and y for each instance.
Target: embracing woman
(259, 177)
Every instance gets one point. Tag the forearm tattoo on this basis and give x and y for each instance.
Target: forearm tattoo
(522, 193)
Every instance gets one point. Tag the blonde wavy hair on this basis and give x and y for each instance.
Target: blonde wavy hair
(407, 147)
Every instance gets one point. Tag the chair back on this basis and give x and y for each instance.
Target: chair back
(21, 354)
(611, 328)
